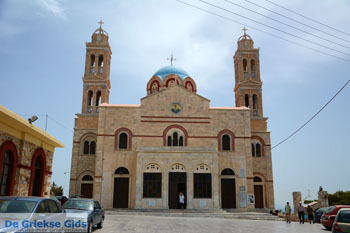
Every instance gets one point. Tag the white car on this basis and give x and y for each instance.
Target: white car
(342, 221)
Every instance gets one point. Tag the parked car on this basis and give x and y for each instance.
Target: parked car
(342, 221)
(62, 199)
(27, 207)
(318, 214)
(329, 216)
(77, 196)
(95, 214)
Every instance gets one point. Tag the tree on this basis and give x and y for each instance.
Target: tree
(56, 190)
(339, 198)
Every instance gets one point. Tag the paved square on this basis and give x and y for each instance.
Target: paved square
(143, 224)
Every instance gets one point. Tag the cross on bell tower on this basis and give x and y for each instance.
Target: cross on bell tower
(100, 22)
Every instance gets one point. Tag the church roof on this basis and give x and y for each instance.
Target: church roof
(166, 70)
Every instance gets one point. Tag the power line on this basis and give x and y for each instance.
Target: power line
(288, 25)
(62, 125)
(296, 131)
(304, 24)
(307, 17)
(274, 28)
(267, 33)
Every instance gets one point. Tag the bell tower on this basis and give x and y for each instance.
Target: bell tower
(248, 88)
(96, 78)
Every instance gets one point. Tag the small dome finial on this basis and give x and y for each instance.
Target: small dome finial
(100, 30)
(171, 59)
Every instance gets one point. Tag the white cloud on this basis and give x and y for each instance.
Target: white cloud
(51, 7)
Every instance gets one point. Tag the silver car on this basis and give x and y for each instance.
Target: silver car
(342, 221)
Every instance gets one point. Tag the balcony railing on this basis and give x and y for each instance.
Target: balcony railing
(245, 74)
(255, 112)
(97, 110)
(253, 75)
(100, 70)
(91, 69)
(89, 109)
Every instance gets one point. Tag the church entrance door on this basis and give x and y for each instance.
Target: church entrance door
(259, 198)
(121, 192)
(177, 184)
(228, 193)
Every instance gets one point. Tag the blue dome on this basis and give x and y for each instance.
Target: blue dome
(164, 71)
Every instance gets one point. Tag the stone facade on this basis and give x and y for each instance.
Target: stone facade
(173, 130)
(24, 144)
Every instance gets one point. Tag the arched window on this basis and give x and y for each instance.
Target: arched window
(6, 174)
(92, 148)
(98, 98)
(169, 141)
(256, 149)
(38, 177)
(255, 102)
(227, 172)
(92, 60)
(226, 144)
(181, 141)
(8, 165)
(87, 177)
(257, 179)
(175, 139)
(122, 171)
(175, 135)
(245, 65)
(226, 140)
(123, 141)
(86, 147)
(89, 98)
(100, 60)
(246, 100)
(252, 65)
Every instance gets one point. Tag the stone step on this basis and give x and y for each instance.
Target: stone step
(195, 213)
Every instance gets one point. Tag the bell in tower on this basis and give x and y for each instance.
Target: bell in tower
(96, 78)
(248, 88)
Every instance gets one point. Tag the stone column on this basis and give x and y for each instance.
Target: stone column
(322, 199)
(296, 201)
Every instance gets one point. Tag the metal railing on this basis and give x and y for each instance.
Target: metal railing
(100, 70)
(245, 74)
(253, 75)
(92, 69)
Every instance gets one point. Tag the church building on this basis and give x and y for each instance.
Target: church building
(141, 156)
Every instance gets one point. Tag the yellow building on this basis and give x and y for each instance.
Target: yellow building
(26, 154)
(144, 155)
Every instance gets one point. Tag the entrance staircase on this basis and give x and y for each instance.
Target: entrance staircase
(261, 214)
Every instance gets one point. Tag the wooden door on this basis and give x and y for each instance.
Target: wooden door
(177, 184)
(121, 193)
(228, 193)
(87, 190)
(259, 197)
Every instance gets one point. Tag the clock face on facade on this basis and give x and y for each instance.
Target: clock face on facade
(175, 107)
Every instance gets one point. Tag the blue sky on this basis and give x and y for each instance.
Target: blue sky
(42, 63)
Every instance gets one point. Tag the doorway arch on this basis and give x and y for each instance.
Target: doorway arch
(121, 188)
(228, 189)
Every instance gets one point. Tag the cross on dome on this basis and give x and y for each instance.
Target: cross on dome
(244, 30)
(171, 59)
(100, 22)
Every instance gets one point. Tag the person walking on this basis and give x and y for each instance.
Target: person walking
(288, 210)
(301, 213)
(310, 214)
(182, 200)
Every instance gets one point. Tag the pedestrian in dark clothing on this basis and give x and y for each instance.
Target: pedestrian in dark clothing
(310, 214)
(301, 213)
